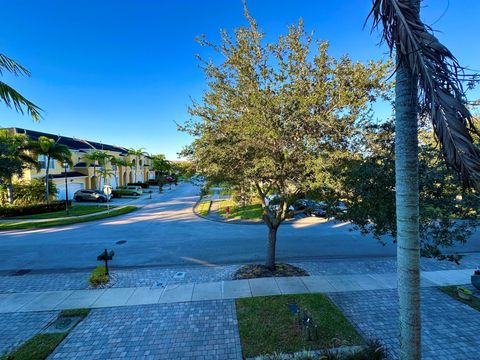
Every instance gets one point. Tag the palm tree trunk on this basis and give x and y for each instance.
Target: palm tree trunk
(47, 170)
(272, 242)
(10, 191)
(406, 177)
(94, 176)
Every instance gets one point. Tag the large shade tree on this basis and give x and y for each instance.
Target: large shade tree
(52, 150)
(15, 158)
(422, 63)
(271, 108)
(365, 181)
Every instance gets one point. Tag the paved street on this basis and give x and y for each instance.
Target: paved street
(166, 232)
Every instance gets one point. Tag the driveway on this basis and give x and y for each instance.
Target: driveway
(166, 232)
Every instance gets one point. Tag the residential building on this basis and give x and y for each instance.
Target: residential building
(84, 175)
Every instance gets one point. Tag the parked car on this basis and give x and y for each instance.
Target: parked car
(91, 195)
(131, 190)
(312, 208)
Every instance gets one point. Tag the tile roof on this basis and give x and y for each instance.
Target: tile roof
(70, 174)
(72, 143)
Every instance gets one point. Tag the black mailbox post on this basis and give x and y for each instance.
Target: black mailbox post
(105, 256)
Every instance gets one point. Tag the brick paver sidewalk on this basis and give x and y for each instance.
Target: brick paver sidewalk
(198, 321)
(69, 299)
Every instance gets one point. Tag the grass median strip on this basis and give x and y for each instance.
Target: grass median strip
(268, 326)
(74, 211)
(453, 292)
(36, 225)
(41, 345)
(248, 212)
(203, 207)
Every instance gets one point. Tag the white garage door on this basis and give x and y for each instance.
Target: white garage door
(72, 188)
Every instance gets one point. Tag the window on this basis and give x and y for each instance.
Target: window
(42, 160)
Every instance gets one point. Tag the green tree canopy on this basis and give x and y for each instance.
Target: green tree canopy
(272, 108)
(364, 179)
(14, 158)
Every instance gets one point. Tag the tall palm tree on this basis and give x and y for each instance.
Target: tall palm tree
(14, 158)
(124, 163)
(9, 95)
(95, 158)
(52, 150)
(138, 153)
(422, 62)
(114, 161)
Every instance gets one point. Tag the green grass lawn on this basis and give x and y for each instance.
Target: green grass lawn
(452, 291)
(74, 211)
(36, 348)
(267, 326)
(36, 225)
(203, 207)
(249, 212)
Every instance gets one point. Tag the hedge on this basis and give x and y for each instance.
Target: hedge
(143, 185)
(11, 211)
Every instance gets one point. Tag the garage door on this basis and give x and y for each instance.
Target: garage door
(72, 188)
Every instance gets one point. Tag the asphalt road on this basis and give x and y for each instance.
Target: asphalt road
(166, 232)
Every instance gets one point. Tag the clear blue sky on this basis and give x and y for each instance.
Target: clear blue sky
(123, 72)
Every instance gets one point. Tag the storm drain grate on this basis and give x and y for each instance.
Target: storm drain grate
(158, 285)
(179, 275)
(21, 272)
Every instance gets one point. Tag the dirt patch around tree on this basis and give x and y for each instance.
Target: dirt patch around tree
(254, 271)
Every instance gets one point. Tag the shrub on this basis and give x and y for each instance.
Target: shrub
(26, 193)
(144, 185)
(13, 211)
(98, 276)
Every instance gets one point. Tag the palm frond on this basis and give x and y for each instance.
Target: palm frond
(440, 79)
(13, 98)
(11, 66)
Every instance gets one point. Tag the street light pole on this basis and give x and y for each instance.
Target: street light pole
(65, 166)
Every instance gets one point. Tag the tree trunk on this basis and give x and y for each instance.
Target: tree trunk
(47, 171)
(10, 191)
(94, 176)
(406, 177)
(272, 242)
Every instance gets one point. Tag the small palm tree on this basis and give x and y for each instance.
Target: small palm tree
(52, 150)
(124, 163)
(105, 174)
(426, 64)
(95, 158)
(162, 167)
(9, 95)
(138, 153)
(14, 158)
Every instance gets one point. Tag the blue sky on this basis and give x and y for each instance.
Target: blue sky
(123, 72)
